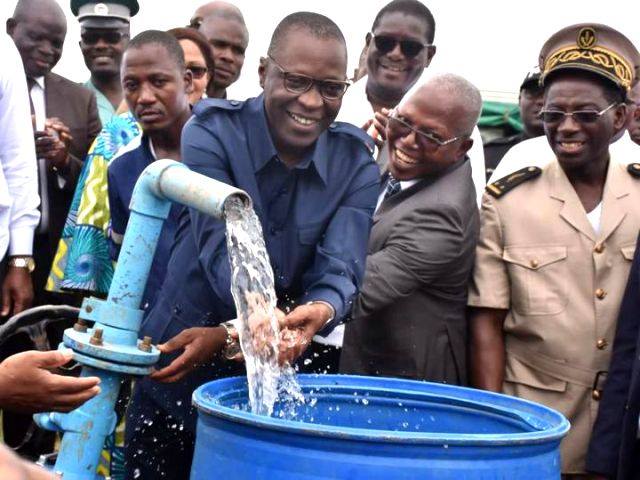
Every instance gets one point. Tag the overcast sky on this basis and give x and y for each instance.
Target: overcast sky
(491, 42)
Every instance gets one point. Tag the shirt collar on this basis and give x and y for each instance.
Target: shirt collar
(39, 81)
(263, 150)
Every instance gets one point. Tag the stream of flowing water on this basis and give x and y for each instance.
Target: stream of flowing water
(252, 286)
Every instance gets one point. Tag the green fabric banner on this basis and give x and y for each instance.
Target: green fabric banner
(500, 115)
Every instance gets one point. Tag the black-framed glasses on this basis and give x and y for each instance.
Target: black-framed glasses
(426, 140)
(111, 37)
(298, 83)
(409, 48)
(580, 116)
(197, 71)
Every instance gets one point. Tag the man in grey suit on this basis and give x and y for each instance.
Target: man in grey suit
(409, 318)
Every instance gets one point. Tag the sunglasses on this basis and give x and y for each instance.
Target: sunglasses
(111, 37)
(298, 83)
(579, 116)
(426, 140)
(409, 48)
(197, 71)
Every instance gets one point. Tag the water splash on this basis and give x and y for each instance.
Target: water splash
(252, 286)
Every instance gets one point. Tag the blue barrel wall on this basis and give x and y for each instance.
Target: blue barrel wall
(370, 428)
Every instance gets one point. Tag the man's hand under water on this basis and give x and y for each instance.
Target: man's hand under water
(299, 327)
(200, 345)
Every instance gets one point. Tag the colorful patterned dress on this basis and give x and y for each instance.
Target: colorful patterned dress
(82, 262)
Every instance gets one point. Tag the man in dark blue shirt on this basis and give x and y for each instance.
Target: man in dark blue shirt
(314, 187)
(156, 87)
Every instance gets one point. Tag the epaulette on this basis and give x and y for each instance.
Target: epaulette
(498, 188)
(634, 169)
(353, 131)
(207, 106)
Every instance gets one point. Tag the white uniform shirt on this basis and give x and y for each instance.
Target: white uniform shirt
(18, 177)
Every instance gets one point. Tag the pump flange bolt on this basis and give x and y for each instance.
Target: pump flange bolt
(145, 345)
(96, 338)
(80, 326)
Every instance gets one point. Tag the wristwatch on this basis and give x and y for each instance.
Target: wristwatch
(231, 346)
(23, 262)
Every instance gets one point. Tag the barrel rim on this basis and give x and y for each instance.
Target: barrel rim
(501, 403)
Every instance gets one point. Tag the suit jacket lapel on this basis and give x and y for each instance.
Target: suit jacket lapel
(571, 210)
(617, 186)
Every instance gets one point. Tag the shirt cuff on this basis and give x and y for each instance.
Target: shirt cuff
(21, 241)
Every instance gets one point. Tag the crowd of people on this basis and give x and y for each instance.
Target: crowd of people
(400, 245)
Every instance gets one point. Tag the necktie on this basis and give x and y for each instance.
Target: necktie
(43, 226)
(30, 83)
(393, 187)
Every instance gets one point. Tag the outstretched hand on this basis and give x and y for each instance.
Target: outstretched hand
(299, 327)
(13, 467)
(28, 384)
(199, 344)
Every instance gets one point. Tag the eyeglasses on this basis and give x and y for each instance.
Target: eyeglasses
(110, 37)
(298, 83)
(409, 48)
(426, 140)
(197, 71)
(580, 116)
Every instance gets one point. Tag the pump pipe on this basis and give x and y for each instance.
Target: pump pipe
(111, 349)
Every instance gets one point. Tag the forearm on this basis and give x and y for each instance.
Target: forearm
(486, 349)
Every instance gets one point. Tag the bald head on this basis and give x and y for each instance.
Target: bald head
(38, 28)
(460, 100)
(223, 26)
(26, 8)
(218, 8)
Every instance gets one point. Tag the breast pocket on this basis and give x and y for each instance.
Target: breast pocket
(628, 251)
(539, 277)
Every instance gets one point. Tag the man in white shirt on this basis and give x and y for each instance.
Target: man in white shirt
(18, 183)
(399, 51)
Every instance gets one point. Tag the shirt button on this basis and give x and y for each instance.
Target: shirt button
(600, 293)
(534, 263)
(599, 248)
(595, 394)
(602, 343)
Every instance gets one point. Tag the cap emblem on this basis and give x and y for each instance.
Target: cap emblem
(586, 38)
(101, 9)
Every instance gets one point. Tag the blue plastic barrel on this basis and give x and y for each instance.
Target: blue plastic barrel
(369, 428)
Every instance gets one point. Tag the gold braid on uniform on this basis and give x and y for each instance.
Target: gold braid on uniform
(498, 188)
(634, 169)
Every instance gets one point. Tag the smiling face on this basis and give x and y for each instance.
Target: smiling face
(392, 74)
(580, 146)
(155, 89)
(296, 120)
(428, 110)
(39, 38)
(102, 53)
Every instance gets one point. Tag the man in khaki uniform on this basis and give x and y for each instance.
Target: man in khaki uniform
(556, 244)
